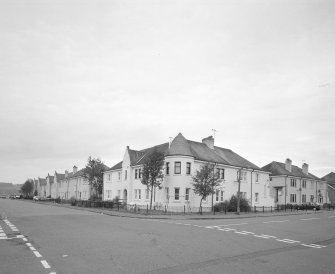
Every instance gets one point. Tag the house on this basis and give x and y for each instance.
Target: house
(182, 159)
(55, 186)
(49, 183)
(330, 178)
(41, 187)
(294, 185)
(74, 184)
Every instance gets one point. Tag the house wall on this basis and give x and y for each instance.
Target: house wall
(114, 185)
(77, 187)
(312, 191)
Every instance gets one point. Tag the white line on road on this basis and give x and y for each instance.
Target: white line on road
(32, 248)
(331, 217)
(24, 239)
(234, 224)
(243, 233)
(260, 236)
(28, 244)
(268, 236)
(310, 219)
(45, 264)
(37, 254)
(275, 222)
(313, 246)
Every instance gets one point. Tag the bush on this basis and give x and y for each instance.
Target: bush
(219, 207)
(73, 201)
(244, 204)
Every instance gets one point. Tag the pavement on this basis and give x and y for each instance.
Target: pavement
(193, 216)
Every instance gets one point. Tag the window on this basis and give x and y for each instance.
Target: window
(187, 194)
(108, 194)
(256, 197)
(147, 194)
(176, 194)
(222, 194)
(136, 194)
(293, 183)
(139, 194)
(177, 167)
(139, 173)
(303, 183)
(136, 173)
(119, 175)
(217, 195)
(188, 168)
(321, 185)
(320, 199)
(125, 174)
(243, 175)
(167, 193)
(312, 199)
(167, 168)
(119, 193)
(304, 198)
(257, 177)
(109, 178)
(243, 195)
(293, 198)
(220, 173)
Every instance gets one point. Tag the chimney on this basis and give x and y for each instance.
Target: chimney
(209, 141)
(75, 169)
(288, 165)
(66, 173)
(305, 168)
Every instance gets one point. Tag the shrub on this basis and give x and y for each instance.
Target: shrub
(244, 204)
(73, 201)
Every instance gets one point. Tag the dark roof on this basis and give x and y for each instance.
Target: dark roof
(277, 169)
(200, 151)
(59, 176)
(80, 173)
(329, 177)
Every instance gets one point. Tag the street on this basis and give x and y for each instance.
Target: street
(41, 238)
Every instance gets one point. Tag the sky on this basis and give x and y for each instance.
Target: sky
(85, 78)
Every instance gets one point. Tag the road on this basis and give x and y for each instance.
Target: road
(40, 238)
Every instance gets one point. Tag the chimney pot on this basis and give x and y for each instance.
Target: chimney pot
(209, 141)
(288, 165)
(305, 168)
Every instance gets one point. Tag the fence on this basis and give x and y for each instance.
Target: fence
(184, 210)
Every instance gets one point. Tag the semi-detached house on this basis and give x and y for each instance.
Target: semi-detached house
(294, 185)
(182, 159)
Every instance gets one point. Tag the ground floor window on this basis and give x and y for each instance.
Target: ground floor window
(176, 194)
(303, 198)
(222, 194)
(293, 198)
(312, 199)
(187, 194)
(217, 195)
(256, 197)
(147, 194)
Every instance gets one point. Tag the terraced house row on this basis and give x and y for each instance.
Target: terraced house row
(275, 183)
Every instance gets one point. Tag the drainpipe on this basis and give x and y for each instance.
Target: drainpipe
(252, 170)
(285, 191)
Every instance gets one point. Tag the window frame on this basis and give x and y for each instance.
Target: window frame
(177, 166)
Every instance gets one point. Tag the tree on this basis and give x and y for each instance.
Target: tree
(152, 173)
(239, 178)
(27, 188)
(93, 172)
(205, 181)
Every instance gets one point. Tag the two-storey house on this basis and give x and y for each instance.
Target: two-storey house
(182, 159)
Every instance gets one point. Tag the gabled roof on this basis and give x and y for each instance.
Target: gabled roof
(277, 169)
(329, 177)
(80, 173)
(200, 151)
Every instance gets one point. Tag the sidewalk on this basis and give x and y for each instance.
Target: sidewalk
(193, 216)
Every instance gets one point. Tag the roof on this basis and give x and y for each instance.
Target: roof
(59, 176)
(80, 173)
(200, 151)
(277, 169)
(329, 177)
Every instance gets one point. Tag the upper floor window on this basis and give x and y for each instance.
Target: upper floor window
(242, 174)
(167, 193)
(136, 173)
(257, 177)
(220, 173)
(177, 167)
(119, 175)
(109, 178)
(125, 174)
(167, 168)
(139, 173)
(293, 183)
(188, 168)
(304, 184)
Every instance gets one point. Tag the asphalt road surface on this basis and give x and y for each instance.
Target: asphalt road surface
(39, 238)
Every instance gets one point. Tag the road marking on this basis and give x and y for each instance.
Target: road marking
(234, 224)
(310, 219)
(197, 225)
(331, 217)
(32, 248)
(247, 232)
(275, 222)
(211, 227)
(19, 236)
(52, 273)
(269, 236)
(24, 239)
(243, 233)
(37, 254)
(2, 234)
(187, 224)
(313, 245)
(28, 244)
(292, 241)
(45, 264)
(260, 236)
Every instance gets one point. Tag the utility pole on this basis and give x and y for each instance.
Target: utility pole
(239, 175)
